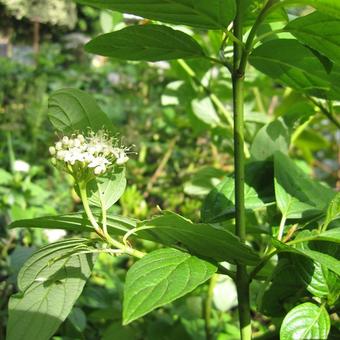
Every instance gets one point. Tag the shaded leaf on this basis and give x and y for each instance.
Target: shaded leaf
(293, 64)
(298, 196)
(320, 32)
(270, 138)
(200, 239)
(161, 277)
(220, 203)
(49, 282)
(305, 321)
(318, 280)
(145, 42)
(215, 14)
(328, 261)
(73, 110)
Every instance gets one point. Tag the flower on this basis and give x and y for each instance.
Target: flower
(88, 155)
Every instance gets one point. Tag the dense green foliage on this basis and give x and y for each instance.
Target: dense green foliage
(156, 248)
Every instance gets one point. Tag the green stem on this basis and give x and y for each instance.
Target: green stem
(250, 40)
(208, 305)
(327, 113)
(263, 262)
(281, 227)
(242, 281)
(105, 236)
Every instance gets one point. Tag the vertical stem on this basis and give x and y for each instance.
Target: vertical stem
(208, 305)
(242, 280)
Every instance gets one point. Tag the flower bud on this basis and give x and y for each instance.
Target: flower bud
(58, 146)
(52, 150)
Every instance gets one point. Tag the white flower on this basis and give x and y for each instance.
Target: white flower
(52, 150)
(55, 234)
(98, 161)
(21, 166)
(95, 151)
(121, 157)
(65, 140)
(58, 145)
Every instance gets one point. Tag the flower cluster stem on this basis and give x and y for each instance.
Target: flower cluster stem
(103, 234)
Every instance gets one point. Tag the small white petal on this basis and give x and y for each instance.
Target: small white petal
(52, 150)
(58, 145)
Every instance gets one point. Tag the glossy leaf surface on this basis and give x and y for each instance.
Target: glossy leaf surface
(305, 321)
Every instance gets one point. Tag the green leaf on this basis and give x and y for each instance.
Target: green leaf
(318, 280)
(320, 32)
(292, 64)
(160, 277)
(330, 7)
(106, 190)
(73, 110)
(328, 261)
(145, 42)
(215, 14)
(49, 282)
(5, 177)
(117, 225)
(305, 321)
(297, 196)
(200, 239)
(205, 111)
(332, 235)
(270, 138)
(203, 181)
(333, 212)
(220, 203)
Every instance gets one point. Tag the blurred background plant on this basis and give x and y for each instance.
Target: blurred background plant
(176, 116)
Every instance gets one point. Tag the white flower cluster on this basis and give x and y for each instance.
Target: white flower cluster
(97, 151)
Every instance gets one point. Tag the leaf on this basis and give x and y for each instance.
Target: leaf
(203, 181)
(215, 14)
(270, 138)
(328, 261)
(73, 110)
(305, 321)
(320, 32)
(49, 282)
(205, 111)
(145, 42)
(160, 277)
(5, 177)
(330, 7)
(117, 225)
(297, 196)
(318, 280)
(106, 190)
(333, 212)
(284, 285)
(220, 203)
(200, 239)
(332, 235)
(293, 64)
